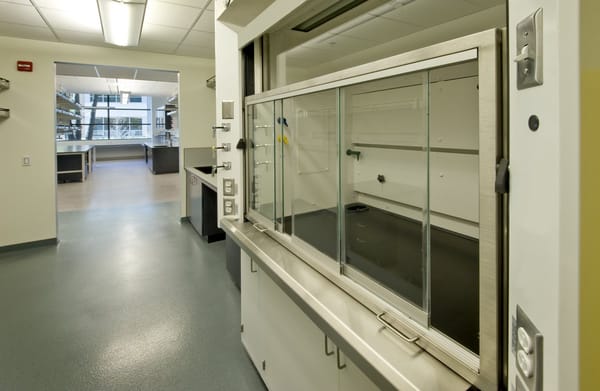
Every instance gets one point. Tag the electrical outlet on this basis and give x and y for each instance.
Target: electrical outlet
(228, 207)
(26, 161)
(228, 186)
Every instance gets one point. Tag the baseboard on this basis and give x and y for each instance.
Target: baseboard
(111, 158)
(26, 245)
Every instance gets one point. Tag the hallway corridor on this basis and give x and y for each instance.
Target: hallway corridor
(130, 299)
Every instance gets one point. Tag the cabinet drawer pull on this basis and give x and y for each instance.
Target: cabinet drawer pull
(327, 352)
(339, 364)
(394, 330)
(252, 269)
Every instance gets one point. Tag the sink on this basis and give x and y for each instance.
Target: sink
(204, 169)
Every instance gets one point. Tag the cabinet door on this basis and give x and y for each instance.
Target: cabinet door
(295, 347)
(250, 305)
(351, 378)
(196, 203)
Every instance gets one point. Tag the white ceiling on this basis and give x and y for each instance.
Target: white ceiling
(111, 80)
(181, 27)
(80, 84)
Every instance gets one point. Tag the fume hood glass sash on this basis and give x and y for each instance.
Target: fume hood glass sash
(480, 369)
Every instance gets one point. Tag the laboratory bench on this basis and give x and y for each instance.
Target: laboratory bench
(74, 162)
(162, 158)
(202, 203)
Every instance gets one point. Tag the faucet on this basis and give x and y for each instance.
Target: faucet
(224, 127)
(224, 166)
(225, 147)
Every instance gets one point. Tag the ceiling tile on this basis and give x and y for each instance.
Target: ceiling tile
(111, 72)
(196, 51)
(190, 3)
(84, 21)
(27, 2)
(68, 5)
(156, 75)
(156, 46)
(206, 22)
(200, 38)
(169, 14)
(105, 86)
(156, 32)
(70, 69)
(21, 14)
(27, 32)
(81, 37)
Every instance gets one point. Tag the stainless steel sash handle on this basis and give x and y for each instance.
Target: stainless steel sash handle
(394, 330)
(327, 352)
(339, 365)
(252, 269)
(259, 227)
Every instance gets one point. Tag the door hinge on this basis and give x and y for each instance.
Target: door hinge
(241, 328)
(264, 365)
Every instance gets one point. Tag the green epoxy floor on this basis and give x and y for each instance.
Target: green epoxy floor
(129, 300)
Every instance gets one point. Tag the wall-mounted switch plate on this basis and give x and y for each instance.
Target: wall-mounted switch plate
(26, 161)
(229, 208)
(529, 57)
(228, 187)
(227, 109)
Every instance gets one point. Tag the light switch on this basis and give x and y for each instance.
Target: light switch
(26, 161)
(529, 56)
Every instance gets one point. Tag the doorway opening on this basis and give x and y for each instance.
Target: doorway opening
(117, 137)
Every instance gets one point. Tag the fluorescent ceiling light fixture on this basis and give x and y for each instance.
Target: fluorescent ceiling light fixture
(125, 97)
(329, 13)
(122, 21)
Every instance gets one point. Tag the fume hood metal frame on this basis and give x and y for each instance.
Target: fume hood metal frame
(484, 371)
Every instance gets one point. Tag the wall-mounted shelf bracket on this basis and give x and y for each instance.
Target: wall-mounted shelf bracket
(4, 84)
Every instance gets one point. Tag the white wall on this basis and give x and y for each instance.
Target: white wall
(544, 192)
(229, 87)
(28, 197)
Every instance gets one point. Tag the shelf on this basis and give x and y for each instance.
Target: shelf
(211, 82)
(4, 84)
(67, 99)
(68, 114)
(4, 113)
